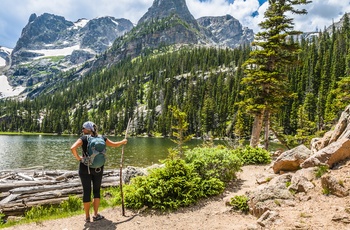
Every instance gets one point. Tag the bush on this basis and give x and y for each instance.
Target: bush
(250, 155)
(220, 163)
(39, 212)
(240, 203)
(176, 185)
(73, 204)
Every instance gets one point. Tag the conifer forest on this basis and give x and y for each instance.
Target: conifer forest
(203, 82)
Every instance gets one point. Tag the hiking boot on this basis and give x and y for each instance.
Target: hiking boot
(98, 217)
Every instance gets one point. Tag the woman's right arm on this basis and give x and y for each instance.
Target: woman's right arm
(74, 148)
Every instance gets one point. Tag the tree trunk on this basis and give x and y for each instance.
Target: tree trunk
(257, 126)
(267, 129)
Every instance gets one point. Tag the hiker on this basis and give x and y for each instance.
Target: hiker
(88, 174)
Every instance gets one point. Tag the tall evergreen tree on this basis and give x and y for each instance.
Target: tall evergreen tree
(266, 78)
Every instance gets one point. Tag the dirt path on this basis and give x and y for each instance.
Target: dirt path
(315, 212)
(211, 214)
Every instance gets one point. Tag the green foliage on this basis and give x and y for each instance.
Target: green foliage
(265, 86)
(72, 205)
(240, 202)
(112, 195)
(217, 162)
(180, 127)
(176, 185)
(250, 155)
(322, 169)
(2, 215)
(205, 84)
(288, 183)
(326, 191)
(39, 212)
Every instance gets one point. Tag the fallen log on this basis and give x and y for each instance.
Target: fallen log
(8, 199)
(25, 177)
(20, 208)
(49, 194)
(37, 189)
(11, 185)
(66, 176)
(23, 189)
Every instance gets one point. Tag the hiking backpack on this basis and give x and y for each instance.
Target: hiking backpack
(96, 149)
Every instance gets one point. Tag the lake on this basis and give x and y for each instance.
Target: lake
(53, 152)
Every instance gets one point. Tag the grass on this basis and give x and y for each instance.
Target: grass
(71, 207)
(39, 220)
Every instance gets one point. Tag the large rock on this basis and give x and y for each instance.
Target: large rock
(341, 130)
(291, 159)
(330, 155)
(270, 196)
(334, 186)
(301, 180)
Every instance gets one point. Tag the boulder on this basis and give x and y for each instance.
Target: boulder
(269, 196)
(290, 160)
(341, 130)
(301, 180)
(330, 155)
(334, 186)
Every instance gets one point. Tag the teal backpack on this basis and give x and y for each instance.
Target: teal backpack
(96, 152)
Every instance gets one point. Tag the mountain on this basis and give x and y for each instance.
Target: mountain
(51, 45)
(5, 54)
(164, 8)
(169, 23)
(226, 31)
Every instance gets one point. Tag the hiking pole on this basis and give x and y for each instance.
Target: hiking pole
(121, 170)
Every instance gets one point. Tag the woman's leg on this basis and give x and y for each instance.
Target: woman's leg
(96, 203)
(96, 188)
(86, 183)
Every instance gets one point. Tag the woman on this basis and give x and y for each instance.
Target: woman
(88, 175)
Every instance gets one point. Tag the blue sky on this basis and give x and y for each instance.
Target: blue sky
(14, 14)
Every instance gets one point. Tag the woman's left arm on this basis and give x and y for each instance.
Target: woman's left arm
(116, 143)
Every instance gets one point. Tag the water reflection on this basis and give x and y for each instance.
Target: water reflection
(53, 152)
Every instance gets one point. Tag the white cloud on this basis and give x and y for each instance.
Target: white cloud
(14, 14)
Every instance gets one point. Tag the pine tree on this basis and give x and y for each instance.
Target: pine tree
(266, 78)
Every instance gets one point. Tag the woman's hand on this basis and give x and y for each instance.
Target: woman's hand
(124, 142)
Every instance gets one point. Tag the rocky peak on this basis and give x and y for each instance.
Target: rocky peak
(226, 31)
(100, 33)
(50, 44)
(41, 30)
(165, 8)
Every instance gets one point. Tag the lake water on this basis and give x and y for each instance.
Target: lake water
(53, 152)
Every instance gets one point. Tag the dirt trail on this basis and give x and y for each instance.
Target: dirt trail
(316, 212)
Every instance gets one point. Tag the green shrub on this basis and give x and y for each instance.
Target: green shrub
(220, 163)
(322, 169)
(39, 212)
(250, 155)
(2, 218)
(176, 185)
(73, 204)
(240, 203)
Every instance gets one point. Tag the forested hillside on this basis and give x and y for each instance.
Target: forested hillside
(205, 83)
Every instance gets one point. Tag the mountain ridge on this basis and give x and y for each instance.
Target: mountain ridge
(93, 44)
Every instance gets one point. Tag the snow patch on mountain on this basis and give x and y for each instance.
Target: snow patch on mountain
(8, 91)
(2, 62)
(55, 52)
(80, 23)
